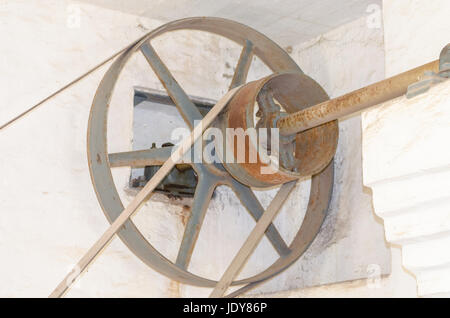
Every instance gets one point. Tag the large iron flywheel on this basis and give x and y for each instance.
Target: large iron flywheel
(291, 88)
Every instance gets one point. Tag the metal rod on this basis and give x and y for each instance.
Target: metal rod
(136, 203)
(161, 97)
(353, 102)
(252, 241)
(96, 67)
(251, 203)
(202, 197)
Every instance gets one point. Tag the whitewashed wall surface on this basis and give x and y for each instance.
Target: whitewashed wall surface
(49, 212)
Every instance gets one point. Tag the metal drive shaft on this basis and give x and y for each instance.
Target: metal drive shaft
(353, 102)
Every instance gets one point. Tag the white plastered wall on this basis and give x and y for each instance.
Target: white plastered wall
(406, 162)
(50, 214)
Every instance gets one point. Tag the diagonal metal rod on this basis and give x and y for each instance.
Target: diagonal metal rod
(79, 78)
(350, 103)
(135, 204)
(244, 289)
(252, 241)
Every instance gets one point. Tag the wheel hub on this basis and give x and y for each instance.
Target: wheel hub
(300, 155)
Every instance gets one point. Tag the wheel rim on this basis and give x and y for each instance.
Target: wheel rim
(100, 169)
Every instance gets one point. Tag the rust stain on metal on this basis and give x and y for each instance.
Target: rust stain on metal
(314, 149)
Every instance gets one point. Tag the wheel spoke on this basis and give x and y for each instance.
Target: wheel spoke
(251, 203)
(185, 106)
(202, 197)
(252, 241)
(245, 60)
(140, 158)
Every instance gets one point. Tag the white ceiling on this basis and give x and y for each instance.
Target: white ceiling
(288, 22)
